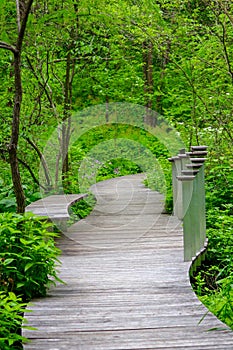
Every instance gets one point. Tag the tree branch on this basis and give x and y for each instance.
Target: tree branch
(191, 84)
(43, 161)
(18, 14)
(31, 173)
(4, 153)
(8, 47)
(227, 59)
(23, 26)
(44, 84)
(225, 11)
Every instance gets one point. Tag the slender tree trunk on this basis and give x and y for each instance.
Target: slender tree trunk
(161, 84)
(43, 163)
(16, 179)
(148, 82)
(22, 17)
(66, 119)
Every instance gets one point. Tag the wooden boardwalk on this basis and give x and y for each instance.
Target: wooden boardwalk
(127, 286)
(55, 207)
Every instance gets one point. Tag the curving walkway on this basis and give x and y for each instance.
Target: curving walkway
(127, 286)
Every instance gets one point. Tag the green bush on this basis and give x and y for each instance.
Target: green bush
(219, 182)
(160, 180)
(220, 301)
(213, 282)
(220, 233)
(102, 165)
(169, 201)
(28, 256)
(11, 318)
(117, 167)
(81, 209)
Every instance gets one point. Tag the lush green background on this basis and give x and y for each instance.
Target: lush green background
(175, 57)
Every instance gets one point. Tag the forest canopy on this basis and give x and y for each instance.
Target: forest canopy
(172, 57)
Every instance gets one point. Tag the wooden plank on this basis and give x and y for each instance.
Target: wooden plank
(127, 286)
(54, 206)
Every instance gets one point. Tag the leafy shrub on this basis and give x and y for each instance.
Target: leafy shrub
(220, 302)
(105, 166)
(160, 180)
(220, 233)
(169, 201)
(81, 209)
(219, 183)
(117, 167)
(7, 195)
(97, 135)
(11, 318)
(213, 282)
(28, 255)
(8, 204)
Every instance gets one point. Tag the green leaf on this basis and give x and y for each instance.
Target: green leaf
(28, 266)
(12, 296)
(8, 261)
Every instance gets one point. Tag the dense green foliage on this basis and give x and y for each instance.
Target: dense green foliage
(113, 158)
(213, 281)
(81, 209)
(11, 318)
(174, 57)
(28, 255)
(28, 265)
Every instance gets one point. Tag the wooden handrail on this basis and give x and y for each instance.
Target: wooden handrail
(189, 198)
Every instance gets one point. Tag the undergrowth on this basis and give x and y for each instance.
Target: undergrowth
(28, 266)
(81, 209)
(213, 282)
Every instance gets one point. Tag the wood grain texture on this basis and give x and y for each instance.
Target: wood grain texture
(54, 206)
(127, 286)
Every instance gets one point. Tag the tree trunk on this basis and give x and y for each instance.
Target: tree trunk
(161, 84)
(22, 17)
(16, 179)
(66, 126)
(148, 82)
(43, 163)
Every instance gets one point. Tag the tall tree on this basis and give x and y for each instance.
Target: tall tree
(23, 10)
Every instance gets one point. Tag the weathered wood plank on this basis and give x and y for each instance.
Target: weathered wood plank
(54, 206)
(127, 286)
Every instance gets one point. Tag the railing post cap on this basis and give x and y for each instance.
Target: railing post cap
(199, 148)
(172, 159)
(185, 177)
(190, 172)
(198, 160)
(183, 155)
(197, 153)
(194, 165)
